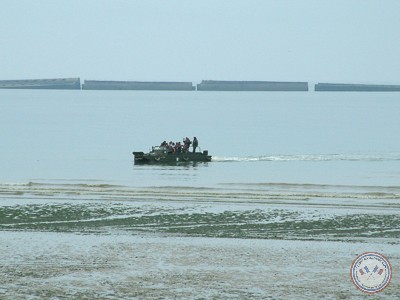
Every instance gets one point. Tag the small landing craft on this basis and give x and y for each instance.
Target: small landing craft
(161, 154)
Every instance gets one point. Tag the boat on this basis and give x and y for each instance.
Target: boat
(161, 154)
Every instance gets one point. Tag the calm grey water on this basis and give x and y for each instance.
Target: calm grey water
(254, 137)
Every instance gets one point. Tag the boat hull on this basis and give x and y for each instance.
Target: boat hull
(170, 158)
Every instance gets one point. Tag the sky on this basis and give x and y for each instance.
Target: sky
(350, 41)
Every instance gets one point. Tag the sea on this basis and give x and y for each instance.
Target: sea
(254, 137)
(321, 167)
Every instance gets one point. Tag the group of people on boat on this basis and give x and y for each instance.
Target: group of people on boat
(179, 147)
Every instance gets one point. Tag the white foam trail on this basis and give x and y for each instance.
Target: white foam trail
(311, 157)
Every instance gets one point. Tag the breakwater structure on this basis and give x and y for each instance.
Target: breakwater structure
(57, 84)
(137, 85)
(344, 87)
(215, 85)
(205, 85)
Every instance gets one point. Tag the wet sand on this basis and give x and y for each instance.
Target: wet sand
(37, 265)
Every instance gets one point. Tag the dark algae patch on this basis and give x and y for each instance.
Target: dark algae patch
(269, 223)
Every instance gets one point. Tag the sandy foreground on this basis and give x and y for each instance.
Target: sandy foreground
(38, 265)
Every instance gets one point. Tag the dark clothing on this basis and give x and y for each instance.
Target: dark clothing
(195, 144)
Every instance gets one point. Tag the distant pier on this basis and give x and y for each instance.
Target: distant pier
(137, 85)
(214, 85)
(56, 84)
(342, 87)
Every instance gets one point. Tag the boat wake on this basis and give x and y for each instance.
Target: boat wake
(311, 157)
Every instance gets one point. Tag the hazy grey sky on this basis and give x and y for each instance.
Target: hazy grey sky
(188, 40)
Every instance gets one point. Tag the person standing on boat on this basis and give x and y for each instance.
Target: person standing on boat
(195, 144)
(186, 144)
